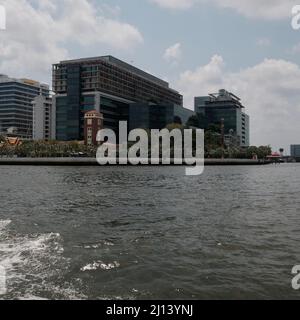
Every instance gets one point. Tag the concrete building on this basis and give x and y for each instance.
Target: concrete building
(225, 105)
(43, 119)
(104, 84)
(93, 122)
(16, 108)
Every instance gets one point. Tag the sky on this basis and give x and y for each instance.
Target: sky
(200, 46)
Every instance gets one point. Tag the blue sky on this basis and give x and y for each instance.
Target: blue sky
(203, 31)
(199, 46)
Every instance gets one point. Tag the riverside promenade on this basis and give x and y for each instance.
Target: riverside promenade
(93, 162)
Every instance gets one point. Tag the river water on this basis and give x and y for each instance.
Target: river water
(149, 232)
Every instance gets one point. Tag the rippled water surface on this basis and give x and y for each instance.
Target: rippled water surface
(149, 232)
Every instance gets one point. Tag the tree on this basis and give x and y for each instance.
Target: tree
(174, 125)
(193, 121)
(214, 128)
(264, 151)
(212, 140)
(177, 120)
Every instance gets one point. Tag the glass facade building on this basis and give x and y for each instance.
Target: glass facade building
(16, 105)
(295, 151)
(104, 84)
(224, 105)
(70, 119)
(149, 116)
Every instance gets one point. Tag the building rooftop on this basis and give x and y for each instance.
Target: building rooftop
(4, 78)
(223, 96)
(93, 113)
(123, 65)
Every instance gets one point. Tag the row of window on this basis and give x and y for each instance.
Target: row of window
(114, 79)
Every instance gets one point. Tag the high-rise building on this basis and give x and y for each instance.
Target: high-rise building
(93, 122)
(153, 116)
(104, 84)
(16, 108)
(295, 151)
(43, 119)
(215, 108)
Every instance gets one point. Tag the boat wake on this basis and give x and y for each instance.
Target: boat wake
(34, 266)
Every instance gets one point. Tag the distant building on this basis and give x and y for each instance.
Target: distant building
(107, 85)
(231, 139)
(225, 105)
(16, 108)
(156, 116)
(43, 119)
(295, 151)
(93, 122)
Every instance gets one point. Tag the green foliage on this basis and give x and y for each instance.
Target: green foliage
(177, 120)
(193, 122)
(213, 147)
(261, 152)
(212, 140)
(214, 128)
(173, 126)
(42, 149)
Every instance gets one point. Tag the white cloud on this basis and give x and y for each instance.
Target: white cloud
(39, 33)
(270, 92)
(174, 53)
(265, 9)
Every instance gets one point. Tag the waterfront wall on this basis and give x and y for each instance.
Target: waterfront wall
(93, 162)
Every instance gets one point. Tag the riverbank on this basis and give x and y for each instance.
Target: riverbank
(93, 162)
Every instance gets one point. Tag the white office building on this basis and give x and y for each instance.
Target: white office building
(43, 119)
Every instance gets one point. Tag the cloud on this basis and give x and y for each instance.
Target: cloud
(264, 9)
(40, 33)
(173, 54)
(206, 79)
(270, 92)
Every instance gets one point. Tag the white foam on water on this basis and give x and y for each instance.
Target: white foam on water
(4, 224)
(98, 245)
(3, 288)
(100, 265)
(32, 264)
(29, 297)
